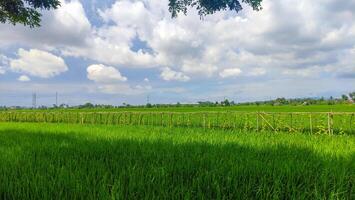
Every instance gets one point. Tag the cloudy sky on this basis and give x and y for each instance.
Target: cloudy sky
(110, 52)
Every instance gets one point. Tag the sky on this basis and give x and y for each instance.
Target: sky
(122, 51)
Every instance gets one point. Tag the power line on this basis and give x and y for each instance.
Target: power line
(34, 100)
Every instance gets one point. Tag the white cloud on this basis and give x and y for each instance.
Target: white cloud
(232, 72)
(38, 63)
(143, 87)
(2, 70)
(168, 74)
(110, 81)
(4, 61)
(286, 40)
(63, 27)
(121, 88)
(23, 78)
(104, 74)
(282, 36)
(257, 72)
(307, 72)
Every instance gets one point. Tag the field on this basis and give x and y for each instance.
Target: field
(323, 119)
(63, 161)
(289, 153)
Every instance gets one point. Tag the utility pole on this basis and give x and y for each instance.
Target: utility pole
(56, 99)
(34, 100)
(148, 99)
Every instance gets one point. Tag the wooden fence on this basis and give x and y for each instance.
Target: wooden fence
(307, 122)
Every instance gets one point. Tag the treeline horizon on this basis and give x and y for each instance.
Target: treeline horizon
(344, 99)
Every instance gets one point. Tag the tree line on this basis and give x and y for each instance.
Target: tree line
(343, 99)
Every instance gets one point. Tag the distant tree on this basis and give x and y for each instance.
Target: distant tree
(281, 101)
(206, 7)
(226, 102)
(149, 105)
(352, 96)
(25, 12)
(344, 97)
(86, 105)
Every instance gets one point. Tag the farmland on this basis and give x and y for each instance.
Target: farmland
(64, 161)
(290, 152)
(336, 119)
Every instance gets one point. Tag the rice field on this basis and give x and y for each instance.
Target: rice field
(178, 154)
(301, 122)
(84, 161)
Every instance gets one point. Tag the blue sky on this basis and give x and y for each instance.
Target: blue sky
(121, 51)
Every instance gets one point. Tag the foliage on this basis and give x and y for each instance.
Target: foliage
(25, 12)
(206, 7)
(344, 97)
(352, 96)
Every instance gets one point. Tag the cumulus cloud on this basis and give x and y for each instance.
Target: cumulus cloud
(4, 60)
(23, 78)
(170, 75)
(63, 27)
(109, 80)
(307, 72)
(104, 74)
(257, 72)
(38, 63)
(286, 40)
(2, 70)
(233, 72)
(283, 36)
(125, 89)
(280, 37)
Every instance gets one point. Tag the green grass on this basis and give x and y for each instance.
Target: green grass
(62, 161)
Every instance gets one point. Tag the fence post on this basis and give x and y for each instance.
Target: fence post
(217, 120)
(310, 123)
(329, 130)
(291, 125)
(130, 118)
(257, 121)
(235, 122)
(204, 120)
(351, 123)
(171, 119)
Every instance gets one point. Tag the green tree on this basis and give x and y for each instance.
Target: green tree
(352, 96)
(25, 12)
(226, 102)
(345, 97)
(206, 7)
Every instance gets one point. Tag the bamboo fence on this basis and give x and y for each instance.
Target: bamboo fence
(306, 122)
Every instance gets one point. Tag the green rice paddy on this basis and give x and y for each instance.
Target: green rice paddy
(74, 161)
